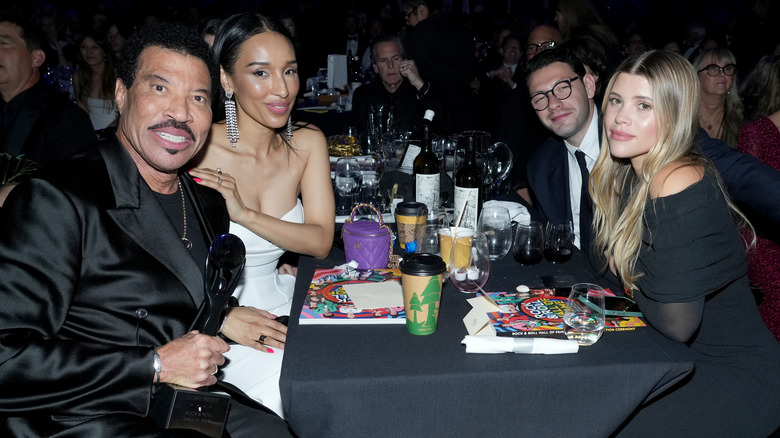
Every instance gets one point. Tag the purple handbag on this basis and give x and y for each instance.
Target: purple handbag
(368, 243)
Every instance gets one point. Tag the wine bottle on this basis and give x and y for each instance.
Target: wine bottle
(414, 147)
(468, 188)
(426, 173)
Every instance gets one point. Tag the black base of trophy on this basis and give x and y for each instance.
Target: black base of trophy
(177, 407)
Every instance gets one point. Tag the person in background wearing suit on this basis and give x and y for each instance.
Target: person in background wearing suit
(443, 51)
(102, 260)
(35, 122)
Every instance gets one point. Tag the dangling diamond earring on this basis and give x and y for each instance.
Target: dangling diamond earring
(289, 128)
(231, 121)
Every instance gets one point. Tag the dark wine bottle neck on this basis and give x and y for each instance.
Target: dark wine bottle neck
(471, 156)
(426, 138)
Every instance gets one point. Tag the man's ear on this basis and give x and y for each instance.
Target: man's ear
(38, 56)
(423, 12)
(376, 69)
(120, 93)
(590, 85)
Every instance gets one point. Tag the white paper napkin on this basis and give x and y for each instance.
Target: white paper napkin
(497, 344)
(517, 211)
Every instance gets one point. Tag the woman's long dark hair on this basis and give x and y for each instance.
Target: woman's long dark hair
(84, 78)
(233, 32)
(230, 38)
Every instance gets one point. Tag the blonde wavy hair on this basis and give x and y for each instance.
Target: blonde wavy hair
(618, 219)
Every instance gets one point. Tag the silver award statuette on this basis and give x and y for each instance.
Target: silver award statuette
(177, 407)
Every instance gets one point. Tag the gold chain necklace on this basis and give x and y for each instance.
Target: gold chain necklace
(187, 243)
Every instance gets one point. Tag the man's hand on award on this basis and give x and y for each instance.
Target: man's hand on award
(192, 360)
(255, 328)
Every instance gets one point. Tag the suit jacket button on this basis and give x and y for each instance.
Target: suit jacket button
(141, 313)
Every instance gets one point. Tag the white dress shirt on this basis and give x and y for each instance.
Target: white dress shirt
(589, 147)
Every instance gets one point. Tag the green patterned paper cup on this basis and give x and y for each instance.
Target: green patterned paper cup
(421, 279)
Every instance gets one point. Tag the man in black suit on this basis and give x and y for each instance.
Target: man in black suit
(101, 263)
(35, 122)
(562, 95)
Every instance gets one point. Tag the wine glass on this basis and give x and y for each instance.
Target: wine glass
(558, 242)
(469, 265)
(584, 315)
(496, 224)
(529, 243)
(347, 181)
(369, 189)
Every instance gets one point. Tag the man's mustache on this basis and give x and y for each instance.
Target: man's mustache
(171, 123)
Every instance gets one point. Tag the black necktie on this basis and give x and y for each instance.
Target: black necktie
(586, 210)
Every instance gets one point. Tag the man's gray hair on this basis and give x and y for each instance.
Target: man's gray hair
(386, 39)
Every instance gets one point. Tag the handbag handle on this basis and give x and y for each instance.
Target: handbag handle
(371, 206)
(392, 260)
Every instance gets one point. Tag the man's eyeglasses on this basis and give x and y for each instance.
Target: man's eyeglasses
(714, 69)
(544, 45)
(561, 91)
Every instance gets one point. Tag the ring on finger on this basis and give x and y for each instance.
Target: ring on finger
(261, 339)
(219, 180)
(219, 170)
(216, 369)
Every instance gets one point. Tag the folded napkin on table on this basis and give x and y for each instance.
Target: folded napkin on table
(517, 211)
(496, 344)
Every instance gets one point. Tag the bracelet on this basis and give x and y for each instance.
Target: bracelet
(157, 366)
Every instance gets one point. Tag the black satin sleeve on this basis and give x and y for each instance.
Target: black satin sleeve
(45, 365)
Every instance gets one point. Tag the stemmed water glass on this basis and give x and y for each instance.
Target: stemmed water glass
(529, 243)
(347, 181)
(469, 265)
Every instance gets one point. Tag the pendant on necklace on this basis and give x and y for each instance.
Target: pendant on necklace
(187, 243)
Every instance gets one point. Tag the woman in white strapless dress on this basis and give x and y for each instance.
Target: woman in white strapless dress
(268, 176)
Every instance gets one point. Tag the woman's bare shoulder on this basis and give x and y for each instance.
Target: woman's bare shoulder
(675, 177)
(306, 133)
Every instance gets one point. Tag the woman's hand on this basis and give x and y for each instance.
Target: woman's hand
(249, 326)
(226, 185)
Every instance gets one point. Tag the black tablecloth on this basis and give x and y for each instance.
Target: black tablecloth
(379, 380)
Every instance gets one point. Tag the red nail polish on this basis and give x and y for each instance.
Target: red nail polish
(197, 180)
(270, 350)
(189, 171)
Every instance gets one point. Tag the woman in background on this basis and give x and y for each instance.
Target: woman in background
(667, 229)
(720, 109)
(262, 163)
(761, 137)
(95, 80)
